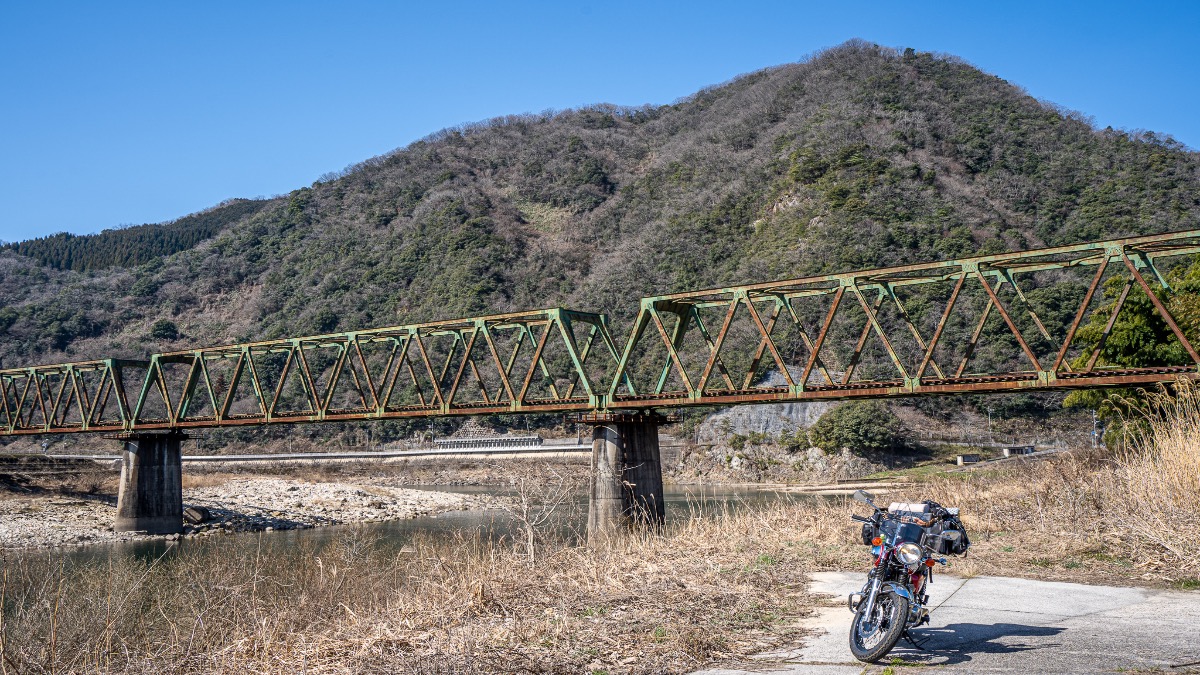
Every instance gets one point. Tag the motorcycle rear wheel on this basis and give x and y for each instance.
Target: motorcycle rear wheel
(871, 641)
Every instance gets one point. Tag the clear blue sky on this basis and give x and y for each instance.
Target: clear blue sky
(120, 113)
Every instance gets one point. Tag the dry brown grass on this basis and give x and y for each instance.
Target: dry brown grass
(716, 587)
(713, 588)
(1091, 516)
(1159, 476)
(22, 476)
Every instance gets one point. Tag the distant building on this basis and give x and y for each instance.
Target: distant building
(493, 442)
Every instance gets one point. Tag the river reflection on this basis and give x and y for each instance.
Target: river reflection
(496, 525)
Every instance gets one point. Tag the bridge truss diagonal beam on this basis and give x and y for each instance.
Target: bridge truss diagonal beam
(901, 325)
(1008, 322)
(538, 361)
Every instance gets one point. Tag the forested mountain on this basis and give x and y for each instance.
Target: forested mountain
(861, 156)
(131, 246)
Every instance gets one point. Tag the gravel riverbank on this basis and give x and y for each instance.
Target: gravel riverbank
(239, 505)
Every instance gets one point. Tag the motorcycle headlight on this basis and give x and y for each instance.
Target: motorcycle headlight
(909, 553)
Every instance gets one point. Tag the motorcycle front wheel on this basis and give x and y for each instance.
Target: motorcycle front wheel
(872, 636)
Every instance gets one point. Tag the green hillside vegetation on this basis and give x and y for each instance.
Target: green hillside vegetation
(1139, 338)
(134, 245)
(858, 157)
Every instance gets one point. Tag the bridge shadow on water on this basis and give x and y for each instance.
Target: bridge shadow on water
(252, 519)
(961, 642)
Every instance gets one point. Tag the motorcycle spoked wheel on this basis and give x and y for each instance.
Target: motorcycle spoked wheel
(872, 640)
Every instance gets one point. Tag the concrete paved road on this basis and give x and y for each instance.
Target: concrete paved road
(1001, 625)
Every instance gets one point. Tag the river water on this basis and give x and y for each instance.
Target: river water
(682, 502)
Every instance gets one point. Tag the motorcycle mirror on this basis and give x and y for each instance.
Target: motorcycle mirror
(862, 496)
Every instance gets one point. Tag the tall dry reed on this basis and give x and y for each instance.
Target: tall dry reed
(718, 586)
(1156, 481)
(715, 587)
(1091, 515)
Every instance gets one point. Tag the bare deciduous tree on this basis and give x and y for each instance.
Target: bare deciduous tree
(545, 500)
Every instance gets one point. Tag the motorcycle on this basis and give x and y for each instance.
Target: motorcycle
(907, 542)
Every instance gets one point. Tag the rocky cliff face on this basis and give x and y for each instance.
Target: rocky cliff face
(767, 463)
(765, 420)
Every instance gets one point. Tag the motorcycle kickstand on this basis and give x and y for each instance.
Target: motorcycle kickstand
(912, 641)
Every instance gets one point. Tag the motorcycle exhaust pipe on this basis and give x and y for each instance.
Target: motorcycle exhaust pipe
(916, 613)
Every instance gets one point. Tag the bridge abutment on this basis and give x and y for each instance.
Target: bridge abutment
(627, 483)
(150, 498)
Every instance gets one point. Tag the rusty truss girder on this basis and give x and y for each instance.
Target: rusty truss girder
(536, 361)
(818, 369)
(836, 336)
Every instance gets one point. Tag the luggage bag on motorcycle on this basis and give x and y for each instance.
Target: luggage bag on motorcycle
(947, 537)
(920, 513)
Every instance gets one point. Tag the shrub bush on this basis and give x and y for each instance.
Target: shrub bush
(862, 426)
(164, 330)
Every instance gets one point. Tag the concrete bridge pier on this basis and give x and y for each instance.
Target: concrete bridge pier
(627, 483)
(150, 498)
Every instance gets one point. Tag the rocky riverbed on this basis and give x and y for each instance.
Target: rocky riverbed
(239, 505)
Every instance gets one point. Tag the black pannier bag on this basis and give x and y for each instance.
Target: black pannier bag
(951, 542)
(947, 536)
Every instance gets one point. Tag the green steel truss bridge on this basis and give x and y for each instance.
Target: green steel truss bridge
(972, 325)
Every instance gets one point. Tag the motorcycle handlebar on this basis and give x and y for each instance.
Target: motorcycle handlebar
(860, 518)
